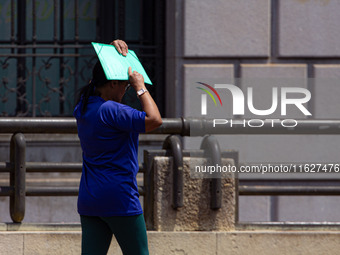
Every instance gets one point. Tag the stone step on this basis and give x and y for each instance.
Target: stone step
(174, 243)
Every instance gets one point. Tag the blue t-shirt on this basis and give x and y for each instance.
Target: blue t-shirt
(108, 133)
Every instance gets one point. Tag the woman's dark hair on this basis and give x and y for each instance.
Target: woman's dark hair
(98, 80)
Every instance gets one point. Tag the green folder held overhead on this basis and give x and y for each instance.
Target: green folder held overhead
(116, 65)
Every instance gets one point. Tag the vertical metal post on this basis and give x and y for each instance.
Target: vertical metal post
(18, 177)
(149, 190)
(98, 12)
(121, 19)
(173, 143)
(76, 51)
(106, 20)
(142, 18)
(12, 25)
(61, 60)
(34, 41)
(159, 36)
(76, 21)
(212, 150)
(21, 61)
(55, 20)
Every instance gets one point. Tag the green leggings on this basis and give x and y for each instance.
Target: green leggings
(130, 233)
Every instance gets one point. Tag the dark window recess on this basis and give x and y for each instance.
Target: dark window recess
(46, 56)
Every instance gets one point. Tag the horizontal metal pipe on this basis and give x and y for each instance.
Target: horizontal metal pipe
(51, 191)
(6, 191)
(38, 125)
(5, 167)
(172, 126)
(288, 190)
(60, 191)
(49, 167)
(184, 127)
(317, 169)
(37, 167)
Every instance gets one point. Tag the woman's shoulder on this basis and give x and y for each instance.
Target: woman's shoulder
(113, 105)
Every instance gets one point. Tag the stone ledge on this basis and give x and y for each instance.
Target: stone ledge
(239, 227)
(40, 227)
(286, 226)
(3, 226)
(190, 243)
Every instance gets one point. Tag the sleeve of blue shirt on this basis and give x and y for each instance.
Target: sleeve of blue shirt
(122, 117)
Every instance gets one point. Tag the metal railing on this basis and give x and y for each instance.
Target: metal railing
(40, 44)
(18, 167)
(180, 126)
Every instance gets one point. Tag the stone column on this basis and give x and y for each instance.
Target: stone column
(195, 215)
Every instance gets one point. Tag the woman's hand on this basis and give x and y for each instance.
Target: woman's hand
(121, 46)
(153, 118)
(136, 80)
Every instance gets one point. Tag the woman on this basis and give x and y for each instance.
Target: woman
(108, 201)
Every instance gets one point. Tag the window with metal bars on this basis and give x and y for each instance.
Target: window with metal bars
(46, 56)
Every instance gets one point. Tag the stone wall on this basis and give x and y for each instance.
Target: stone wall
(227, 41)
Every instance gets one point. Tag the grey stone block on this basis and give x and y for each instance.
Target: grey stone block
(309, 28)
(210, 74)
(326, 92)
(189, 243)
(309, 208)
(3, 226)
(42, 243)
(254, 208)
(4, 209)
(227, 28)
(279, 242)
(46, 209)
(263, 78)
(57, 243)
(195, 215)
(11, 243)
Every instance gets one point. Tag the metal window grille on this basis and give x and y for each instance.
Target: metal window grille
(46, 56)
